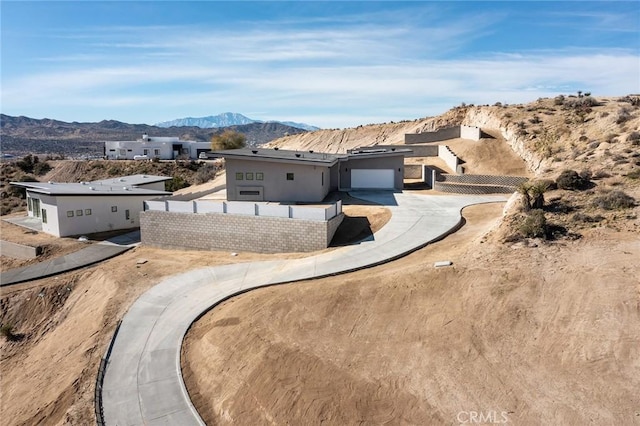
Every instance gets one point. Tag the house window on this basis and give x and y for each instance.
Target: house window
(289, 176)
(44, 216)
(322, 181)
(259, 176)
(156, 152)
(114, 209)
(249, 192)
(126, 214)
(112, 150)
(69, 213)
(79, 212)
(249, 176)
(123, 152)
(29, 206)
(239, 176)
(87, 212)
(145, 151)
(129, 150)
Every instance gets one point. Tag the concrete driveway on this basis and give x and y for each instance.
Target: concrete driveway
(143, 382)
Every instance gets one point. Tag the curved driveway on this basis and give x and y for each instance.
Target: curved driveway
(143, 382)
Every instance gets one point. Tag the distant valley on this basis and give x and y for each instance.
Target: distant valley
(22, 135)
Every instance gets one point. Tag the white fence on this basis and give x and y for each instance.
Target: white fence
(310, 212)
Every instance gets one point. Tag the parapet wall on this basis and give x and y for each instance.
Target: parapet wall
(235, 232)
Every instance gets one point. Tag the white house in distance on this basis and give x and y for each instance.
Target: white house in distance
(147, 148)
(67, 209)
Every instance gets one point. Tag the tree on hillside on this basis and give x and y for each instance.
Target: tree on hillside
(228, 140)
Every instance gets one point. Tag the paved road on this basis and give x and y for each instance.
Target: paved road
(143, 383)
(93, 253)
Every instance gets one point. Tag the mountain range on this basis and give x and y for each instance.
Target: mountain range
(226, 119)
(22, 135)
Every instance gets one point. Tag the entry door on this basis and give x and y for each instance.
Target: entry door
(372, 179)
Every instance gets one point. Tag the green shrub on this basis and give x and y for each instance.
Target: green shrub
(634, 138)
(614, 200)
(534, 225)
(175, 184)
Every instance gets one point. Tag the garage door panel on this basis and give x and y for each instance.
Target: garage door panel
(372, 178)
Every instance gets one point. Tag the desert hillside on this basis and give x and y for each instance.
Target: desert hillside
(539, 316)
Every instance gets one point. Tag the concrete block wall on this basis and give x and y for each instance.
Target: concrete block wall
(437, 136)
(18, 251)
(450, 159)
(470, 132)
(460, 188)
(413, 171)
(216, 231)
(513, 181)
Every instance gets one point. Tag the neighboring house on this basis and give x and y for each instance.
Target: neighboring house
(147, 147)
(67, 209)
(306, 176)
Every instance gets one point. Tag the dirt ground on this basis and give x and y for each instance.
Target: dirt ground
(546, 335)
(542, 332)
(66, 321)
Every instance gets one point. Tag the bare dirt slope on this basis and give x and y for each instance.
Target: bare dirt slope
(546, 331)
(547, 334)
(62, 325)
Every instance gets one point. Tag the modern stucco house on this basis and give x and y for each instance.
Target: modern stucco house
(162, 148)
(67, 209)
(260, 174)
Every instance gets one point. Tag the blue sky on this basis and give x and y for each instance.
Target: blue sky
(330, 64)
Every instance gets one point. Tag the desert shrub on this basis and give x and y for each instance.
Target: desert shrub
(634, 138)
(582, 217)
(583, 138)
(205, 173)
(40, 169)
(535, 120)
(600, 174)
(623, 115)
(634, 174)
(614, 200)
(175, 184)
(7, 330)
(27, 163)
(558, 100)
(534, 225)
(571, 180)
(604, 114)
(594, 145)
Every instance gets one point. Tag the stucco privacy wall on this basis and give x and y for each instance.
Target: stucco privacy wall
(215, 231)
(416, 150)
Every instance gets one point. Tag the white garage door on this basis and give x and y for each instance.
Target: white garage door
(372, 178)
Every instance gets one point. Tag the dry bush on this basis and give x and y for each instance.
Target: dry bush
(614, 200)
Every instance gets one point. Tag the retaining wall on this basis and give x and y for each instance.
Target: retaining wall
(513, 181)
(461, 188)
(450, 159)
(413, 171)
(464, 132)
(19, 251)
(235, 232)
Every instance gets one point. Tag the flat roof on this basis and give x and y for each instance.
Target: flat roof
(307, 157)
(132, 180)
(125, 185)
(280, 155)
